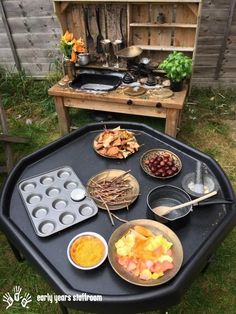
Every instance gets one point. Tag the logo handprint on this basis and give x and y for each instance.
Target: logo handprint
(17, 291)
(8, 299)
(27, 298)
(17, 298)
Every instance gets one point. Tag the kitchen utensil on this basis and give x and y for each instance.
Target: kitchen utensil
(209, 184)
(83, 58)
(130, 52)
(123, 44)
(106, 43)
(99, 37)
(169, 195)
(157, 229)
(89, 38)
(215, 202)
(52, 203)
(164, 210)
(117, 45)
(199, 181)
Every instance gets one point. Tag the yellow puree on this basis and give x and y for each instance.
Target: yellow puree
(87, 251)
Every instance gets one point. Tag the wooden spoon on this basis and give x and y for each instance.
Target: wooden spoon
(164, 210)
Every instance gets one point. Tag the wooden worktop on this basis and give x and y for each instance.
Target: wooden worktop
(149, 99)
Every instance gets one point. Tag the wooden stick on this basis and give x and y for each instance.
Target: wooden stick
(108, 210)
(118, 218)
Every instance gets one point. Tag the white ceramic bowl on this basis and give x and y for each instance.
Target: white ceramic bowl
(93, 234)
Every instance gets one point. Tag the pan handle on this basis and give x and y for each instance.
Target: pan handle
(215, 202)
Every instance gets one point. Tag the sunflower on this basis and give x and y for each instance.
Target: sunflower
(70, 46)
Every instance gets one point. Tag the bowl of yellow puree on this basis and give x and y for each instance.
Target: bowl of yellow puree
(87, 250)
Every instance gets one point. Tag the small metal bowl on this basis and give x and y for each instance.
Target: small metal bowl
(83, 58)
(168, 195)
(84, 234)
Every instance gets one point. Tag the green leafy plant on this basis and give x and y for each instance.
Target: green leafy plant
(177, 66)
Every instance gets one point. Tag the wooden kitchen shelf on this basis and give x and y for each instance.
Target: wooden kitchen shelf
(130, 1)
(178, 33)
(139, 23)
(165, 48)
(178, 25)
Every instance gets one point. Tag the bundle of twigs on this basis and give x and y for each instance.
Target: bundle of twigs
(115, 191)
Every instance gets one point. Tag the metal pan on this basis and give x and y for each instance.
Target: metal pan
(168, 195)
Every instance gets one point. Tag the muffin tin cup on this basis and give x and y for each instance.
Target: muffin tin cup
(47, 199)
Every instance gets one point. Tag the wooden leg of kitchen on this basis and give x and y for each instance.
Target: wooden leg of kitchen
(172, 118)
(179, 120)
(63, 115)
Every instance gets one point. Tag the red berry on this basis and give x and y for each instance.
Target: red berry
(169, 172)
(174, 169)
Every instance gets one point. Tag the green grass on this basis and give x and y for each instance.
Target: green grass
(204, 126)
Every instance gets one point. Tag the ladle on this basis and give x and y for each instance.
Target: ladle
(164, 210)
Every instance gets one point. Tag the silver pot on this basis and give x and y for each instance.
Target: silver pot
(83, 58)
(168, 195)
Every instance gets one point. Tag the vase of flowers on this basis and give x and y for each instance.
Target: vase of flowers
(70, 48)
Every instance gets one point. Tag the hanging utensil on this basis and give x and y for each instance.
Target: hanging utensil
(123, 44)
(89, 38)
(105, 20)
(99, 37)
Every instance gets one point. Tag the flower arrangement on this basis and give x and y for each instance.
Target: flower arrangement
(70, 46)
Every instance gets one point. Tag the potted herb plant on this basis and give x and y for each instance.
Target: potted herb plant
(178, 67)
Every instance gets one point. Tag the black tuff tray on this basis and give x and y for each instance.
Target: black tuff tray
(97, 82)
(200, 236)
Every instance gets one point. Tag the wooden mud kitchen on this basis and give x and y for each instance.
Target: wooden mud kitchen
(126, 42)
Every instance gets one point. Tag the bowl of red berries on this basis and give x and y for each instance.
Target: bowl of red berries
(160, 163)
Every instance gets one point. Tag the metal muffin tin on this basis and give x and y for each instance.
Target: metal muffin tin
(52, 201)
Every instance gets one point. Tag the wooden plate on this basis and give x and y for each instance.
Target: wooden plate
(163, 93)
(110, 174)
(158, 229)
(111, 157)
(135, 91)
(152, 153)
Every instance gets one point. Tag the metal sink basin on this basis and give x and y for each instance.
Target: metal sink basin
(97, 81)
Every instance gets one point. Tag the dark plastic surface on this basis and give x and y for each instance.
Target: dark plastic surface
(99, 81)
(201, 235)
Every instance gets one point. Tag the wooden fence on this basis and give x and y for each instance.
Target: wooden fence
(34, 31)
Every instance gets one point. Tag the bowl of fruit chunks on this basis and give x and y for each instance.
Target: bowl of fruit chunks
(161, 163)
